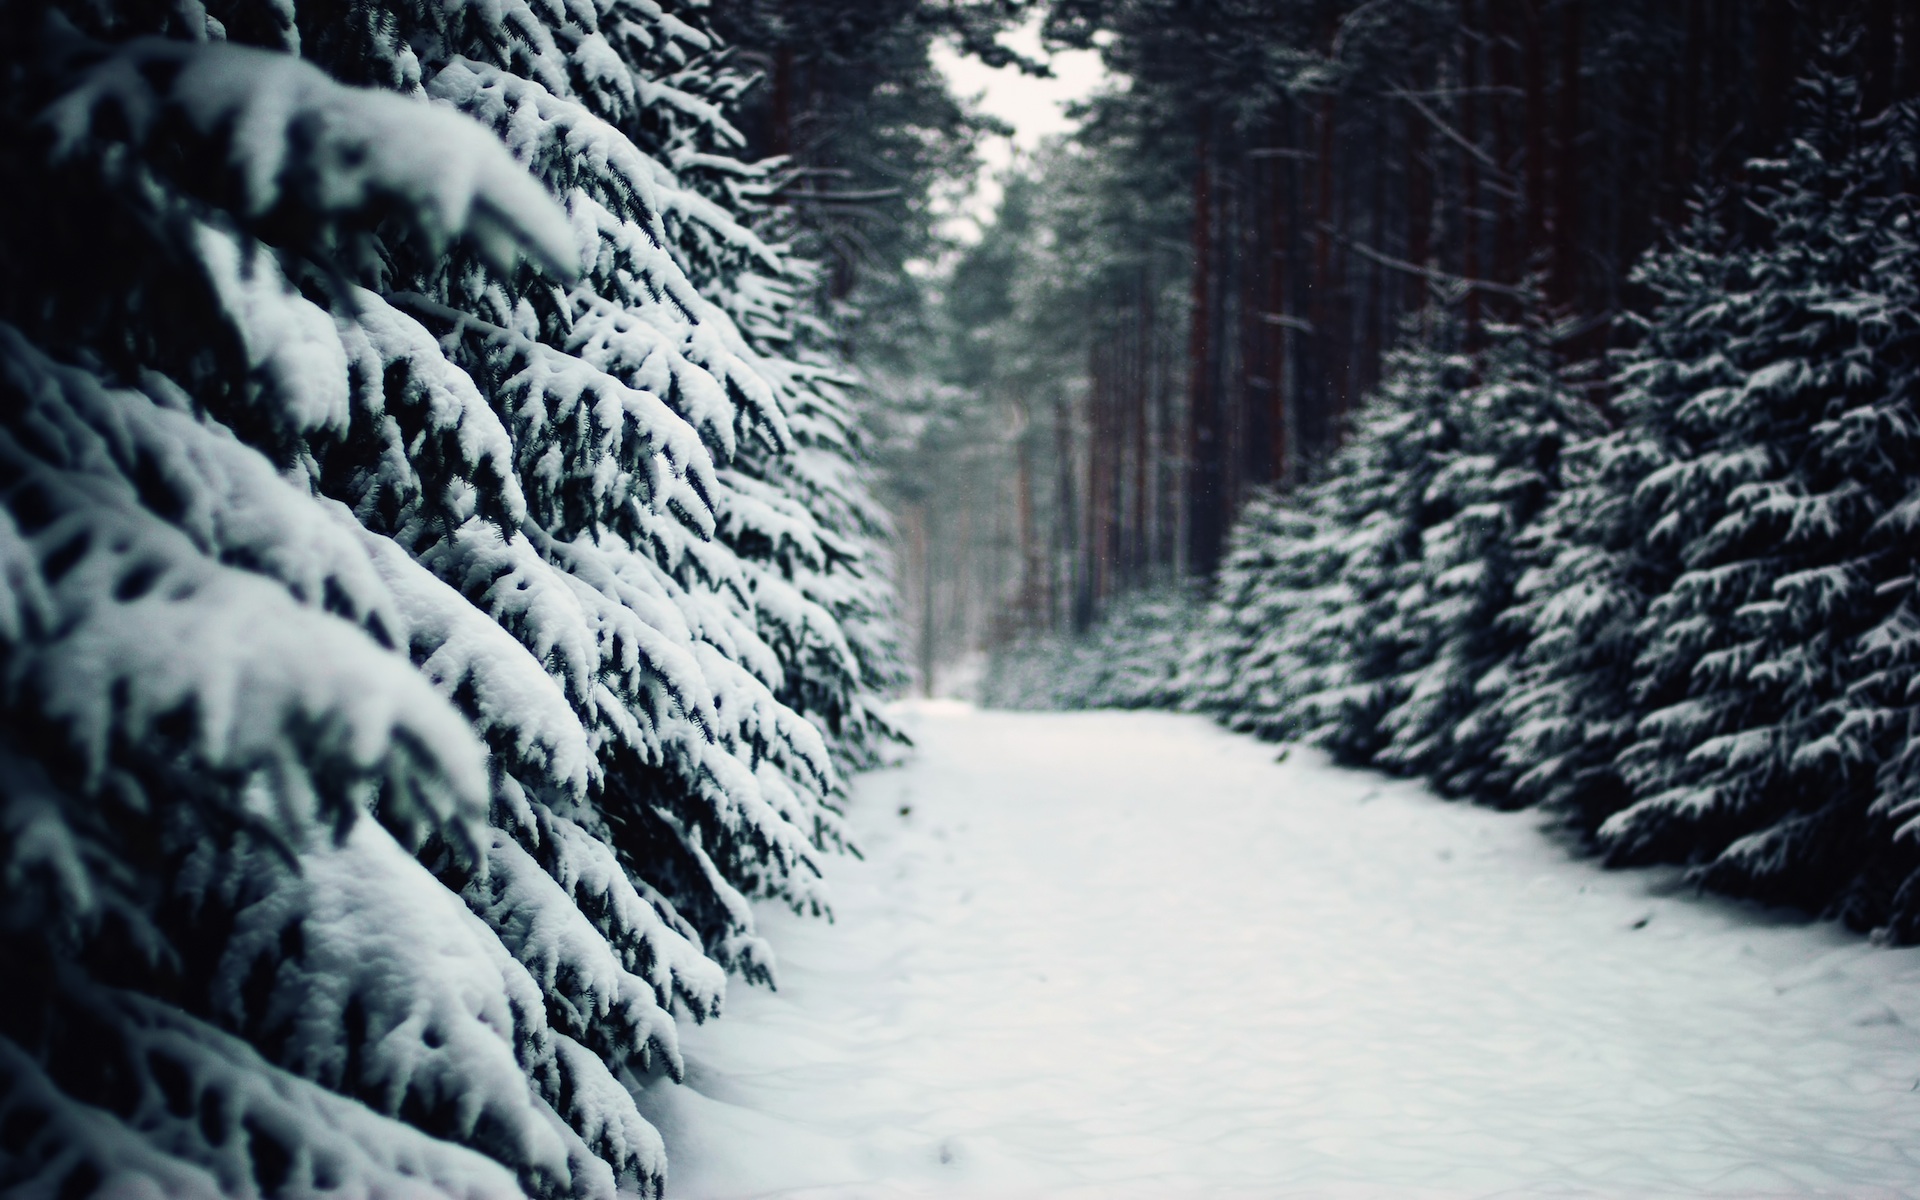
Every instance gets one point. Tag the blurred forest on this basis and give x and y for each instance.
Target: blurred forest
(1186, 301)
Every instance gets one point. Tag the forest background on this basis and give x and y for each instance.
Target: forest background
(1514, 394)
(1186, 301)
(435, 505)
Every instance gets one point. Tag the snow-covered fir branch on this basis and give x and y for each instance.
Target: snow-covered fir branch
(437, 590)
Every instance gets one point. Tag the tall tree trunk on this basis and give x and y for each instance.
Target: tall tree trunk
(1203, 401)
(1253, 439)
(1073, 577)
(1376, 315)
(1100, 473)
(1509, 251)
(1566, 217)
(1773, 73)
(1323, 311)
(920, 547)
(780, 133)
(1681, 145)
(1139, 551)
(1533, 77)
(1470, 169)
(1169, 471)
(1419, 175)
(1032, 577)
(1276, 304)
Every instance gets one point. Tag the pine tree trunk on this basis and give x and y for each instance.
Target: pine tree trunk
(1469, 171)
(1203, 402)
(1509, 251)
(1326, 354)
(1274, 332)
(1100, 474)
(1139, 550)
(1419, 175)
(1377, 315)
(1566, 222)
(1679, 146)
(1249, 465)
(921, 549)
(780, 133)
(1773, 73)
(1032, 570)
(1533, 75)
(1067, 493)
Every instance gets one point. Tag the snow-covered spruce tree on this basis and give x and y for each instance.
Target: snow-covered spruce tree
(1605, 547)
(1366, 613)
(389, 742)
(1510, 428)
(1797, 439)
(1310, 629)
(1263, 645)
(827, 606)
(810, 510)
(1882, 705)
(833, 596)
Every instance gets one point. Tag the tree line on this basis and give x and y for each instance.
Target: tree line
(1670, 597)
(1271, 189)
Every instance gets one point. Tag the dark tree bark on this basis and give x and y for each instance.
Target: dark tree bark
(1533, 74)
(1773, 73)
(1274, 332)
(1879, 55)
(1469, 125)
(1509, 247)
(1566, 217)
(1322, 308)
(1034, 595)
(1205, 520)
(1074, 582)
(1139, 544)
(780, 111)
(1419, 198)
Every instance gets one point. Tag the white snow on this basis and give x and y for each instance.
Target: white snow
(285, 127)
(1119, 955)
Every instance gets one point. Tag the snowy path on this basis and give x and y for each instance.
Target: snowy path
(1120, 955)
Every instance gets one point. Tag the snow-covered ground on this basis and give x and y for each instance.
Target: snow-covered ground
(1130, 955)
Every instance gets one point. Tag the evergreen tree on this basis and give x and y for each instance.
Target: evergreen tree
(1691, 630)
(1366, 613)
(1801, 442)
(1321, 613)
(1266, 642)
(1378, 485)
(417, 621)
(1604, 547)
(1501, 469)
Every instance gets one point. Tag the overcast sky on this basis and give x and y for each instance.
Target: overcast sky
(1032, 106)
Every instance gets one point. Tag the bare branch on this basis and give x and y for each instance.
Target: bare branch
(1449, 132)
(1444, 278)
